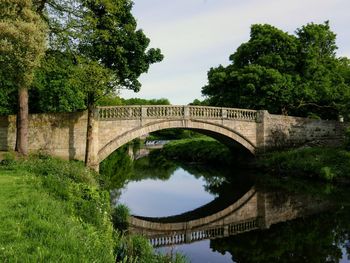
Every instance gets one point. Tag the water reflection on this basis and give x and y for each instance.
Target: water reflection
(237, 217)
(254, 210)
(180, 193)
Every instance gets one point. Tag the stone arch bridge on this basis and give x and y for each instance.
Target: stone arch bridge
(256, 209)
(64, 134)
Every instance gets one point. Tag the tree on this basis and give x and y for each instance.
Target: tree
(95, 81)
(22, 44)
(97, 39)
(110, 36)
(285, 74)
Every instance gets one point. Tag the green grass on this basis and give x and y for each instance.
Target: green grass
(328, 164)
(37, 226)
(55, 211)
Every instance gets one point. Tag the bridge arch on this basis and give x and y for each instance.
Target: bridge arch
(203, 126)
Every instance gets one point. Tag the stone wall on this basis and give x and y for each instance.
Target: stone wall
(60, 134)
(287, 131)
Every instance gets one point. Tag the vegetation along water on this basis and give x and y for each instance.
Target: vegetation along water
(233, 214)
(194, 199)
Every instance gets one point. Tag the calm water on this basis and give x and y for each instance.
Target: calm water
(288, 226)
(157, 198)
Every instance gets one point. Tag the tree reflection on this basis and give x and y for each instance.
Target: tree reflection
(318, 238)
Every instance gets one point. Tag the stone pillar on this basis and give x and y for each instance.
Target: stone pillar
(188, 236)
(261, 130)
(186, 112)
(143, 112)
(93, 161)
(224, 114)
(226, 231)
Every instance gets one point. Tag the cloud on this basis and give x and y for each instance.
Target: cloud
(196, 35)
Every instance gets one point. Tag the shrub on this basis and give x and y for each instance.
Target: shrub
(120, 217)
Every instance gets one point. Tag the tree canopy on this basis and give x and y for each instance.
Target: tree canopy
(86, 36)
(22, 44)
(283, 73)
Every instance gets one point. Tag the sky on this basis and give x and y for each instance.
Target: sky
(195, 35)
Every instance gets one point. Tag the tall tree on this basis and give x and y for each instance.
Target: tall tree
(283, 73)
(22, 44)
(96, 82)
(110, 36)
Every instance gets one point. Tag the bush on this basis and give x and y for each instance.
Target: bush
(8, 158)
(120, 217)
(132, 249)
(327, 164)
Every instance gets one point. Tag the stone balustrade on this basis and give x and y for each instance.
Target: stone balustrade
(174, 112)
(211, 232)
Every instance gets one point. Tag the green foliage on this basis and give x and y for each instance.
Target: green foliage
(95, 49)
(120, 217)
(311, 239)
(110, 100)
(135, 248)
(202, 150)
(8, 158)
(55, 86)
(138, 101)
(94, 80)
(52, 214)
(197, 102)
(43, 165)
(116, 169)
(155, 166)
(284, 74)
(22, 42)
(114, 100)
(324, 163)
(8, 98)
(110, 37)
(53, 210)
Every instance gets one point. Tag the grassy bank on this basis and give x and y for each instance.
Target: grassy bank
(328, 164)
(52, 211)
(321, 163)
(198, 150)
(55, 211)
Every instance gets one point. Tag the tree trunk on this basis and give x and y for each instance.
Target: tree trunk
(89, 135)
(22, 122)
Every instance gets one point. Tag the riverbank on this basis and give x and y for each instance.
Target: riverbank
(55, 211)
(321, 163)
(198, 150)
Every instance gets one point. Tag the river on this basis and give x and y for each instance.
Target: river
(228, 215)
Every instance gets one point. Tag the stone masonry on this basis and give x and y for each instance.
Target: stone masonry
(64, 134)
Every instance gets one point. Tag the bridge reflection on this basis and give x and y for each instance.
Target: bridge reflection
(254, 210)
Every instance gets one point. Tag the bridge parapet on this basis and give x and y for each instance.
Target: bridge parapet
(173, 112)
(167, 238)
